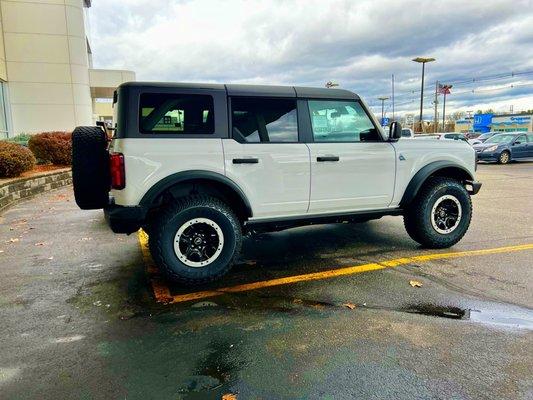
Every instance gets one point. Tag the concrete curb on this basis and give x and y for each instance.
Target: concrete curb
(19, 189)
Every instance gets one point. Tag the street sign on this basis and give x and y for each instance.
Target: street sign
(385, 121)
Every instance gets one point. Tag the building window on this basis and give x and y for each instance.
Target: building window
(3, 112)
(187, 114)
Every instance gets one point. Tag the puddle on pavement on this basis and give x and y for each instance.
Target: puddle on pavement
(487, 313)
(214, 373)
(438, 311)
(519, 318)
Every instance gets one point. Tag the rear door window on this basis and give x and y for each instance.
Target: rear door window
(187, 114)
(259, 120)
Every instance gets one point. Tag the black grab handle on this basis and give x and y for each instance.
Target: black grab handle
(245, 161)
(327, 158)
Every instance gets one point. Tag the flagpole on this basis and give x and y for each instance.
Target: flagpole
(436, 119)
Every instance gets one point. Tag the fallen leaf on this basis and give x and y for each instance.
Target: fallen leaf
(415, 283)
(229, 396)
(351, 306)
(1, 251)
(51, 258)
(39, 244)
(85, 239)
(13, 240)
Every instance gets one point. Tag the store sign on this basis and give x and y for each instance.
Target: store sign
(520, 120)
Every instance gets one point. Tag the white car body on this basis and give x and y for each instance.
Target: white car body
(288, 181)
(199, 165)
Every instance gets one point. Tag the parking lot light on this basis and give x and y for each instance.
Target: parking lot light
(423, 61)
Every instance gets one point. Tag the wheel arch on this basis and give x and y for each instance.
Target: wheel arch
(198, 181)
(437, 168)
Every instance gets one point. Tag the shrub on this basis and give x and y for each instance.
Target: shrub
(14, 159)
(52, 147)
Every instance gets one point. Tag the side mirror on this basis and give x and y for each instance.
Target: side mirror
(395, 131)
(517, 142)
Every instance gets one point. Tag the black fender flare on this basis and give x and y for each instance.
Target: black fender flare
(430, 169)
(166, 183)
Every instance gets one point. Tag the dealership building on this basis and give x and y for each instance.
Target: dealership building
(46, 77)
(496, 123)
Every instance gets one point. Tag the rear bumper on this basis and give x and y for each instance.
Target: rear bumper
(473, 187)
(124, 219)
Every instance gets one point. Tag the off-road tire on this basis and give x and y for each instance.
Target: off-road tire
(166, 223)
(90, 167)
(417, 218)
(504, 158)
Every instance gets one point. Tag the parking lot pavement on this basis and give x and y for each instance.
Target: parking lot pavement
(79, 318)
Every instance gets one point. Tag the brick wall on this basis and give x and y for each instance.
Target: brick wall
(19, 189)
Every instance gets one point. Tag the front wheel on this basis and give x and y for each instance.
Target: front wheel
(195, 240)
(505, 157)
(440, 214)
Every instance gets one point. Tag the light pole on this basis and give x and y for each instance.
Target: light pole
(444, 89)
(422, 60)
(382, 98)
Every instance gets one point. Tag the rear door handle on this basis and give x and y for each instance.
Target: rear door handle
(245, 160)
(327, 158)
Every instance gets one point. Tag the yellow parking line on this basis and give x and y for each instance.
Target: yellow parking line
(162, 293)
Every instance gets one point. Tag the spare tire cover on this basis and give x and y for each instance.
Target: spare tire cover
(90, 167)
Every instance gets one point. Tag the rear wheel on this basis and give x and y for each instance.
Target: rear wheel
(195, 240)
(505, 157)
(440, 214)
(90, 167)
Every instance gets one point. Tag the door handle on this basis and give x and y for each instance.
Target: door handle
(245, 160)
(327, 158)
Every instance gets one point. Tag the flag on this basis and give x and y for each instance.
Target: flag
(444, 89)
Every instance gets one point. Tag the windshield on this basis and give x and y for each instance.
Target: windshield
(485, 136)
(501, 139)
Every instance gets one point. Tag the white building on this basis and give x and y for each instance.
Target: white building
(46, 76)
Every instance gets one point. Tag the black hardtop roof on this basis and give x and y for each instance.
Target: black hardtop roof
(253, 90)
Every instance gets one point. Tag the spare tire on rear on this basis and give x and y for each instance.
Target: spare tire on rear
(90, 167)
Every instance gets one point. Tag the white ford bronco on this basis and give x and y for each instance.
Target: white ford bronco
(199, 165)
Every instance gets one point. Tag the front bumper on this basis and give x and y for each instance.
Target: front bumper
(486, 156)
(124, 219)
(473, 187)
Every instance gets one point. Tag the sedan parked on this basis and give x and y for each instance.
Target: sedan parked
(482, 138)
(505, 147)
(453, 136)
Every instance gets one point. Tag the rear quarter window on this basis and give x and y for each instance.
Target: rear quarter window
(187, 114)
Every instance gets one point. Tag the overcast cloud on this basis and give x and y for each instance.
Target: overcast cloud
(358, 44)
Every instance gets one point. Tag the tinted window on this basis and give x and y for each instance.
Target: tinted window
(341, 121)
(176, 113)
(521, 139)
(264, 120)
(530, 137)
(500, 138)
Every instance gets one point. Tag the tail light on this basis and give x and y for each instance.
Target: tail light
(118, 173)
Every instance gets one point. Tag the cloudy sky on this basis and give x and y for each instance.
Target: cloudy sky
(484, 48)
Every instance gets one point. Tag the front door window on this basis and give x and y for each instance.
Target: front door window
(341, 121)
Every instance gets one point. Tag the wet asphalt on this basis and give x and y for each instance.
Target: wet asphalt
(78, 319)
